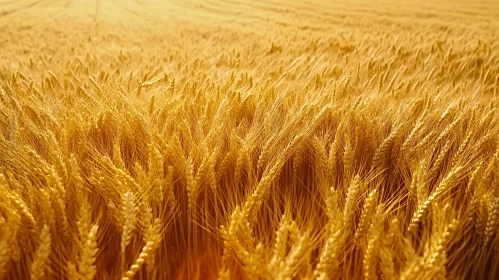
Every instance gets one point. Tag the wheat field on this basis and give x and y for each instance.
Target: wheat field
(249, 139)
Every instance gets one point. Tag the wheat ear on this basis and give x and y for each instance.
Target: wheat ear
(128, 210)
(86, 266)
(41, 256)
(4, 257)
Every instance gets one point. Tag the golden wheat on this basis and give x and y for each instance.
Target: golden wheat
(249, 139)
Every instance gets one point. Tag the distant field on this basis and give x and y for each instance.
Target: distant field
(249, 139)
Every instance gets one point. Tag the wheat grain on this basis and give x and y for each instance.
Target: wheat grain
(333, 149)
(170, 195)
(410, 139)
(387, 265)
(348, 210)
(192, 192)
(4, 257)
(294, 256)
(384, 148)
(366, 213)
(372, 248)
(41, 255)
(86, 266)
(328, 260)
(60, 212)
(446, 183)
(128, 214)
(348, 161)
(280, 242)
(265, 153)
(492, 221)
(321, 156)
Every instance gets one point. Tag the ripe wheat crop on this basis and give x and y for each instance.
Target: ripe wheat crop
(249, 139)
